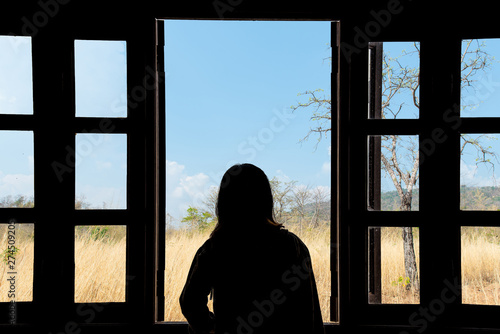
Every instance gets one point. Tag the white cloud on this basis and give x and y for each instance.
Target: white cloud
(322, 189)
(477, 176)
(281, 176)
(184, 190)
(98, 197)
(326, 168)
(193, 184)
(103, 165)
(16, 184)
(174, 169)
(31, 163)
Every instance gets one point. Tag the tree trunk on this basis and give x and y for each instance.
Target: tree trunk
(409, 252)
(410, 261)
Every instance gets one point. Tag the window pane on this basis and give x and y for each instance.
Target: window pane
(180, 248)
(254, 91)
(393, 278)
(101, 78)
(16, 169)
(478, 176)
(16, 80)
(393, 173)
(101, 171)
(480, 265)
(480, 73)
(100, 264)
(16, 249)
(394, 84)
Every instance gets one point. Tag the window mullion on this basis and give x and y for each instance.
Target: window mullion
(53, 190)
(439, 170)
(160, 189)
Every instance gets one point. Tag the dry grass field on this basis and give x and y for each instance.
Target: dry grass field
(100, 266)
(393, 269)
(23, 265)
(481, 272)
(181, 247)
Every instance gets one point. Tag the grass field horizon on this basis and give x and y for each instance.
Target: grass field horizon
(104, 257)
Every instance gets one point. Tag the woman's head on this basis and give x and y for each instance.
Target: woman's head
(245, 198)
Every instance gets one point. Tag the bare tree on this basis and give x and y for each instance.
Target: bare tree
(169, 222)
(400, 155)
(398, 78)
(321, 114)
(301, 197)
(282, 197)
(320, 196)
(210, 201)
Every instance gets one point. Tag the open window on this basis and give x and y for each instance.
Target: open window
(66, 208)
(254, 103)
(83, 155)
(411, 150)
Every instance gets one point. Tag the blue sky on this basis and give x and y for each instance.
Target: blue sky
(100, 71)
(484, 95)
(101, 91)
(229, 89)
(230, 86)
(100, 78)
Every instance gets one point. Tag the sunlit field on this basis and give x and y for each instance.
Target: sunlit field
(393, 269)
(181, 247)
(481, 265)
(100, 266)
(22, 265)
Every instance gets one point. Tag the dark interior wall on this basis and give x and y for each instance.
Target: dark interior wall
(413, 20)
(54, 20)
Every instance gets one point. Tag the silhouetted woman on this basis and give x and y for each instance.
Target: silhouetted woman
(260, 274)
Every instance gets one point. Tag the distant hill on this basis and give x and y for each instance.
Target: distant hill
(324, 208)
(471, 198)
(390, 201)
(479, 198)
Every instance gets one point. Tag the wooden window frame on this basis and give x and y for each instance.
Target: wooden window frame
(334, 309)
(439, 217)
(54, 127)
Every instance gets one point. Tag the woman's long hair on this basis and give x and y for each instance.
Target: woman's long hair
(245, 200)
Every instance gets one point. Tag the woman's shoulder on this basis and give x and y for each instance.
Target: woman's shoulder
(205, 250)
(279, 238)
(297, 243)
(206, 247)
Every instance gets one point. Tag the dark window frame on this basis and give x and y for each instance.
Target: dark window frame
(54, 216)
(334, 308)
(440, 93)
(55, 125)
(439, 217)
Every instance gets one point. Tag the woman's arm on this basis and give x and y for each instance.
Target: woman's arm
(193, 299)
